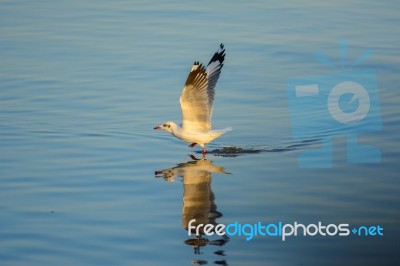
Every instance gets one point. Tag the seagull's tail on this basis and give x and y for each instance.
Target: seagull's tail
(219, 132)
(227, 129)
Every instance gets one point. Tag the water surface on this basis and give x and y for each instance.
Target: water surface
(82, 84)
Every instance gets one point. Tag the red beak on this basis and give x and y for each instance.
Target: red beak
(157, 127)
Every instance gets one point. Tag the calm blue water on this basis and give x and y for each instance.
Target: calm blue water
(82, 84)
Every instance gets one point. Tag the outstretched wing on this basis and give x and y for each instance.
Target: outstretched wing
(197, 97)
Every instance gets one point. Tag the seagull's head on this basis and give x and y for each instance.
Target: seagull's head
(167, 126)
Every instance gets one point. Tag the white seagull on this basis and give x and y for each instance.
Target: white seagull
(197, 100)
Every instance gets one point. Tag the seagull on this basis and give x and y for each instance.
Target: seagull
(197, 101)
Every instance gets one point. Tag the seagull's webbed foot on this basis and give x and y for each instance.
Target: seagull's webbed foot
(192, 145)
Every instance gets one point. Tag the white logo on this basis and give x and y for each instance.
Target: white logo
(359, 93)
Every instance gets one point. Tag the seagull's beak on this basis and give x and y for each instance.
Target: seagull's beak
(157, 127)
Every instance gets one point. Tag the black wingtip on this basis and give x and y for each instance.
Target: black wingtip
(219, 55)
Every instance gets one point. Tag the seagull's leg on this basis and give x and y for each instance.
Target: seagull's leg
(192, 145)
(204, 152)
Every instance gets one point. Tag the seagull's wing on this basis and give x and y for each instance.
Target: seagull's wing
(197, 97)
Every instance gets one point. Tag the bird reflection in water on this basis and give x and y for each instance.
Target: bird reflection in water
(198, 203)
